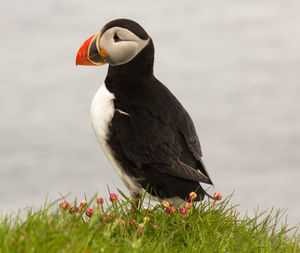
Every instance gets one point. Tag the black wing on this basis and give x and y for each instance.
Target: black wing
(156, 129)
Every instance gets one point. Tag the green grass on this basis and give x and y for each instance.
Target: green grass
(204, 229)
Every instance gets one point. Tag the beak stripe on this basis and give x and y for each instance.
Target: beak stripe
(82, 55)
(88, 54)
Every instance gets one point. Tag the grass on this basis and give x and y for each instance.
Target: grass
(204, 228)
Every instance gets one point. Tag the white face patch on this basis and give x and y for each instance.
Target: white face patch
(123, 50)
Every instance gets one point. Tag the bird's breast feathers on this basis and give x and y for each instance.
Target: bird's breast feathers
(102, 112)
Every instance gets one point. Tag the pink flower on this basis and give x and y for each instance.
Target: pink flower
(64, 205)
(217, 196)
(105, 217)
(171, 210)
(165, 204)
(193, 195)
(155, 226)
(183, 211)
(83, 203)
(89, 212)
(72, 209)
(79, 208)
(113, 197)
(140, 228)
(100, 201)
(187, 205)
(122, 222)
(132, 222)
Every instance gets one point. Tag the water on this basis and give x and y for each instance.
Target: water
(233, 64)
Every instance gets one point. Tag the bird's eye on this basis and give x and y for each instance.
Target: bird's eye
(116, 38)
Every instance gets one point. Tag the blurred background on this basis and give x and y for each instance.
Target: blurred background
(233, 64)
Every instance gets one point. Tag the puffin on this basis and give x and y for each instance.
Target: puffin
(145, 132)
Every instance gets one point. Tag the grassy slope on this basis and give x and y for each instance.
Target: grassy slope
(205, 229)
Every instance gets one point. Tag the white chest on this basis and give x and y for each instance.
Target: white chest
(102, 112)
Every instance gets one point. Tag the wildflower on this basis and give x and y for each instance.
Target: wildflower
(83, 203)
(140, 228)
(113, 197)
(165, 204)
(132, 222)
(193, 195)
(187, 205)
(105, 217)
(146, 219)
(122, 222)
(147, 209)
(79, 208)
(89, 212)
(217, 196)
(100, 201)
(64, 205)
(155, 226)
(171, 210)
(183, 211)
(72, 209)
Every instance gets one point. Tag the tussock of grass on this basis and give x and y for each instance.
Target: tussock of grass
(204, 229)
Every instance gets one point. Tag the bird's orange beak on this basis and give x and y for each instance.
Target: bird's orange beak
(90, 53)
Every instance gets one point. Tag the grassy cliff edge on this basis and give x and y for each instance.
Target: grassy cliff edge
(112, 227)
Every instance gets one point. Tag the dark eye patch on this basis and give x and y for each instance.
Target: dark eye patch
(116, 38)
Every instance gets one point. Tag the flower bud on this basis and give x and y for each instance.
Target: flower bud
(165, 204)
(105, 217)
(113, 197)
(64, 205)
(146, 219)
(183, 211)
(122, 222)
(100, 201)
(171, 210)
(89, 212)
(140, 228)
(217, 196)
(132, 222)
(83, 203)
(187, 205)
(72, 209)
(193, 195)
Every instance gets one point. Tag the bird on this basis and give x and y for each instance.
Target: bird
(145, 132)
